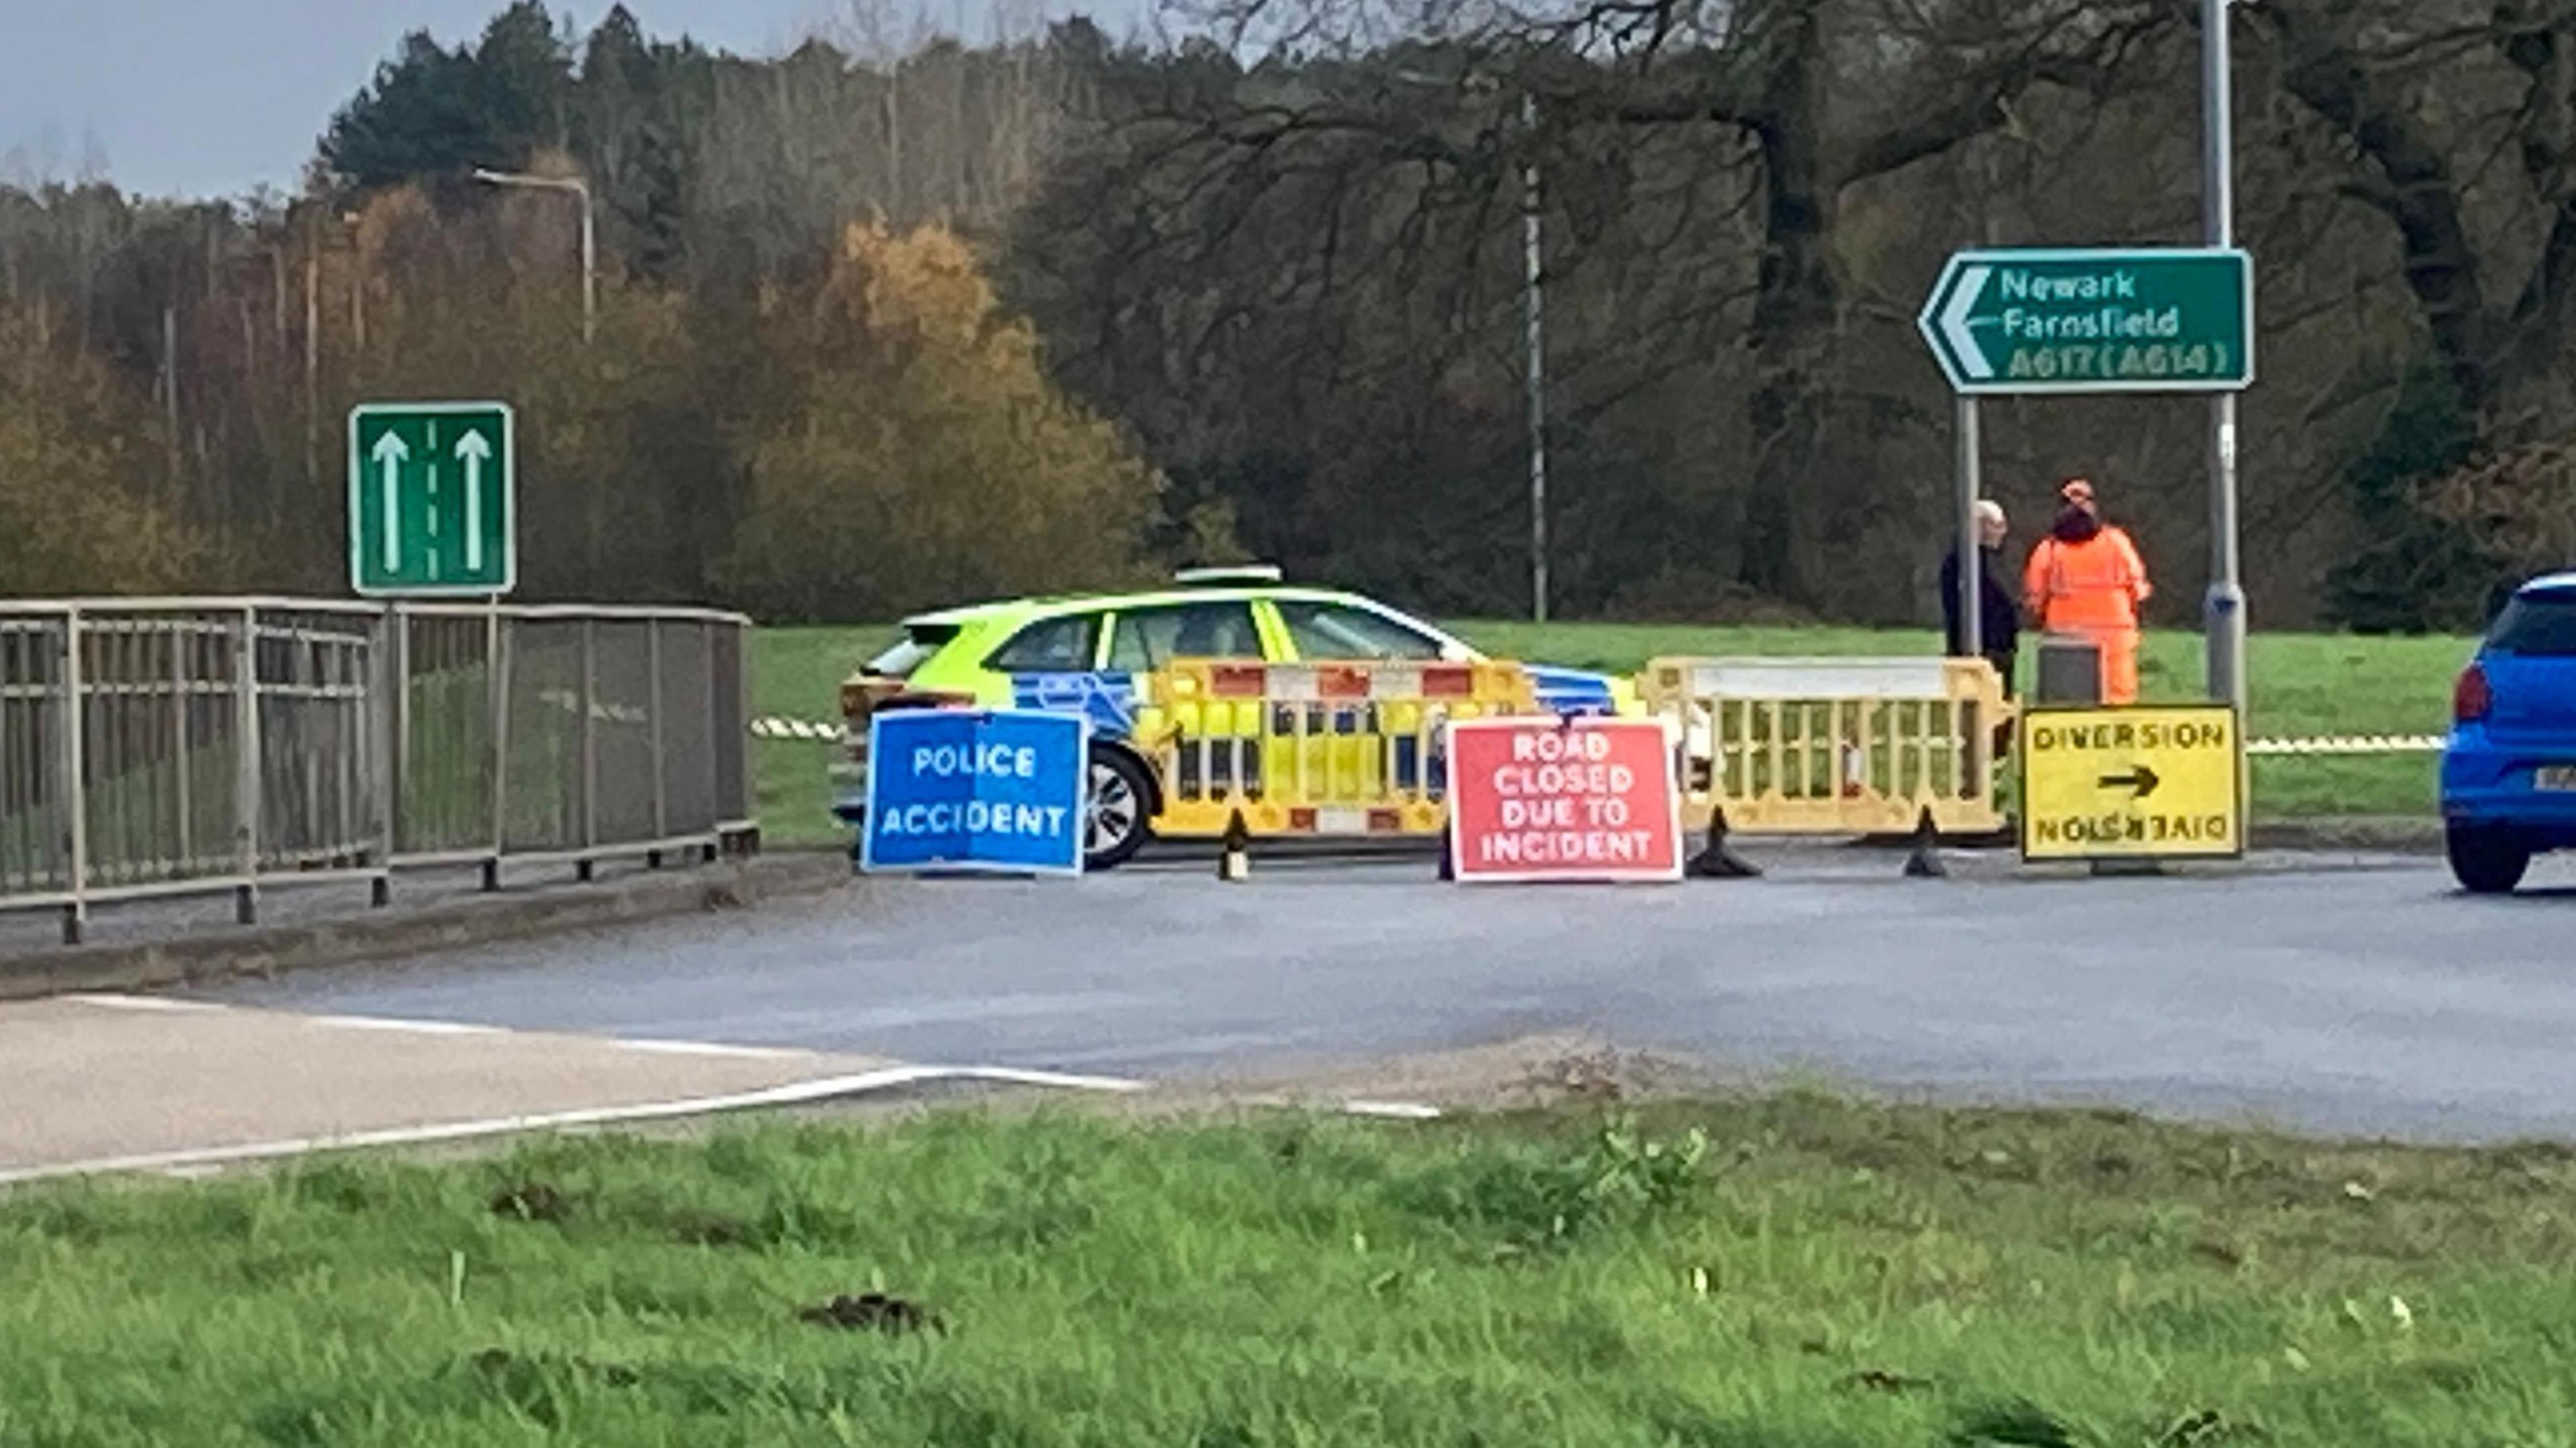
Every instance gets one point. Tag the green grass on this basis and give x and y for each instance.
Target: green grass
(2303, 684)
(1817, 1273)
(797, 674)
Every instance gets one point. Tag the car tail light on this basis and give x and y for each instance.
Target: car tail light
(927, 699)
(870, 693)
(2474, 696)
(864, 698)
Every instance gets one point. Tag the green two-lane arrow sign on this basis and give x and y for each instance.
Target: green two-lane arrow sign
(431, 505)
(2153, 319)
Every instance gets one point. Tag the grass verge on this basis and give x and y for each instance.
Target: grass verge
(2304, 684)
(1794, 1270)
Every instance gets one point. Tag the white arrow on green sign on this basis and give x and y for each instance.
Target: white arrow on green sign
(431, 510)
(2154, 319)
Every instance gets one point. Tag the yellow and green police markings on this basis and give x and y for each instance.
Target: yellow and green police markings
(2136, 782)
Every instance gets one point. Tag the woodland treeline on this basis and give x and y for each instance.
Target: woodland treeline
(900, 318)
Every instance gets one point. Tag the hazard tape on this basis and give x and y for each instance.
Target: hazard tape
(2350, 744)
(774, 727)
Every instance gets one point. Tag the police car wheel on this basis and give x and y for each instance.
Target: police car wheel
(1114, 813)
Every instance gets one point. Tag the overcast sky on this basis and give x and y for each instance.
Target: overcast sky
(215, 97)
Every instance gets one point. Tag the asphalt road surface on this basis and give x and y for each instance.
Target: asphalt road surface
(2350, 996)
(148, 1082)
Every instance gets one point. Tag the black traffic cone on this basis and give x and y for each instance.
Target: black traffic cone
(1924, 861)
(1717, 862)
(1234, 860)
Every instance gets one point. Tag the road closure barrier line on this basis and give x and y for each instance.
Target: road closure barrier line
(794, 1093)
(818, 732)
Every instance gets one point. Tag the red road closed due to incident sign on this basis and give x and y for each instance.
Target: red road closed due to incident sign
(1553, 799)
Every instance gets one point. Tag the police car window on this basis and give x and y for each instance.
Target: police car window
(1049, 646)
(1148, 638)
(1333, 631)
(2537, 625)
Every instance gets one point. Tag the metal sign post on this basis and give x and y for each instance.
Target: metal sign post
(2223, 614)
(1972, 562)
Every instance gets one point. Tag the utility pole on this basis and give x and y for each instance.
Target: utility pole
(2223, 615)
(589, 240)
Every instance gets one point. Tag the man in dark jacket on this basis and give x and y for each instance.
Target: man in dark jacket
(2000, 615)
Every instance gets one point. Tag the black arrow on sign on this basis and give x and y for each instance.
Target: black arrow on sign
(2141, 779)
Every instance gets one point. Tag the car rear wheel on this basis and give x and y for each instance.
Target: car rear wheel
(2485, 861)
(1117, 810)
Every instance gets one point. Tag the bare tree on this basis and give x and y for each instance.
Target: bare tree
(1809, 99)
(2458, 122)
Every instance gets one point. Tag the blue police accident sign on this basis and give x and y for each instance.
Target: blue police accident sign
(997, 790)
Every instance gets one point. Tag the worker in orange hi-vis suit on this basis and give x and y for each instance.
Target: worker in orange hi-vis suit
(2086, 578)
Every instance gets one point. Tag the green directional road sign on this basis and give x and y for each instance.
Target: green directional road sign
(431, 508)
(2144, 320)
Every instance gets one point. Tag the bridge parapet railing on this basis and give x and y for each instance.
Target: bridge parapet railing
(169, 746)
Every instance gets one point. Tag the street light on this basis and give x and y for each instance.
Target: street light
(1536, 370)
(589, 247)
(1534, 336)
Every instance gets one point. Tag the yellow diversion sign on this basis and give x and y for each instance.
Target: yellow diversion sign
(2132, 783)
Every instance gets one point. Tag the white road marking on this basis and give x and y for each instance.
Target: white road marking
(715, 1048)
(422, 1028)
(140, 1002)
(465, 1028)
(794, 1093)
(1017, 1076)
(196, 1162)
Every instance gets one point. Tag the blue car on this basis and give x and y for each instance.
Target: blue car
(2509, 767)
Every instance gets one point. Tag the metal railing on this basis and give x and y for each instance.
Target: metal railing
(187, 745)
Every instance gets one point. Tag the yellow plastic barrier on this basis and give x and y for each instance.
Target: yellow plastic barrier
(1313, 748)
(1833, 746)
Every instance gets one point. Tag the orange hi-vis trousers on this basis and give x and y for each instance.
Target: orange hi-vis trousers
(2119, 654)
(2092, 589)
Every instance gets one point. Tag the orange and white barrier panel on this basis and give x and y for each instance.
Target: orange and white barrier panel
(1313, 748)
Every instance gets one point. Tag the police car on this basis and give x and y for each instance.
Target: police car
(1090, 653)
(2509, 766)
